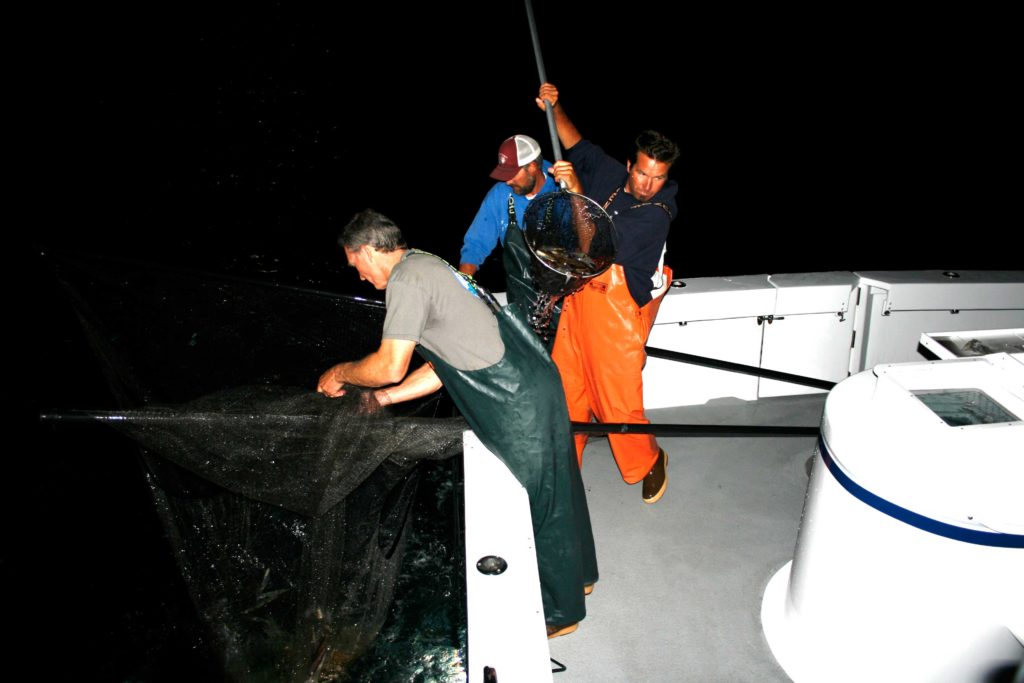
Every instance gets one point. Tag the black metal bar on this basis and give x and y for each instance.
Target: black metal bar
(738, 367)
(156, 417)
(661, 429)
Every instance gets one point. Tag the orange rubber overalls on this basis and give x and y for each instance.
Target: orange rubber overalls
(599, 351)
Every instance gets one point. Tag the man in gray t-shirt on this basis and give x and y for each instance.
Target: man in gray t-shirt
(429, 304)
(501, 379)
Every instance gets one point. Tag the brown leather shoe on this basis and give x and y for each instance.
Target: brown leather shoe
(555, 631)
(656, 480)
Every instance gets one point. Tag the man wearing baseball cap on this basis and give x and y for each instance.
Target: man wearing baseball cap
(522, 174)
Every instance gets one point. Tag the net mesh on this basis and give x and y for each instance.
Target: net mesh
(288, 512)
(571, 240)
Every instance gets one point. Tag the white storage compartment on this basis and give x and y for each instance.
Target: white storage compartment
(811, 331)
(895, 307)
(712, 317)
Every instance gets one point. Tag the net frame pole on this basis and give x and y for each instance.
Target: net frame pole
(548, 109)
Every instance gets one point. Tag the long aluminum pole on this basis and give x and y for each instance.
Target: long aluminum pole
(548, 110)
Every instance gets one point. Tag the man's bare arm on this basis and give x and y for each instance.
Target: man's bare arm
(387, 365)
(420, 382)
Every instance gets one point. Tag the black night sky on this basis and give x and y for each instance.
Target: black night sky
(240, 138)
(822, 141)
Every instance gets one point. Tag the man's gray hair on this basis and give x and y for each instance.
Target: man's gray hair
(374, 229)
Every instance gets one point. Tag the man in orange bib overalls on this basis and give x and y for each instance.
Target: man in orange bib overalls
(599, 346)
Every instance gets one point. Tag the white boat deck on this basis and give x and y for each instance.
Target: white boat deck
(682, 580)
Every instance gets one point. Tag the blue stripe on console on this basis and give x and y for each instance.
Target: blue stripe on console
(993, 538)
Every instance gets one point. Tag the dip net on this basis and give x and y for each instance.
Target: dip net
(288, 512)
(571, 240)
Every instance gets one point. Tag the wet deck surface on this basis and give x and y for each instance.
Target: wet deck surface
(679, 597)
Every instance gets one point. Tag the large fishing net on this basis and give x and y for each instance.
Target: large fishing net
(288, 512)
(571, 240)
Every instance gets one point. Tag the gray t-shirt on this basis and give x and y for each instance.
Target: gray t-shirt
(428, 303)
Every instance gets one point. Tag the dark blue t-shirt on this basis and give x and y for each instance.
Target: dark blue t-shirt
(640, 231)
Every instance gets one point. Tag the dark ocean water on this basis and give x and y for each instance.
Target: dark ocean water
(93, 582)
(239, 139)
